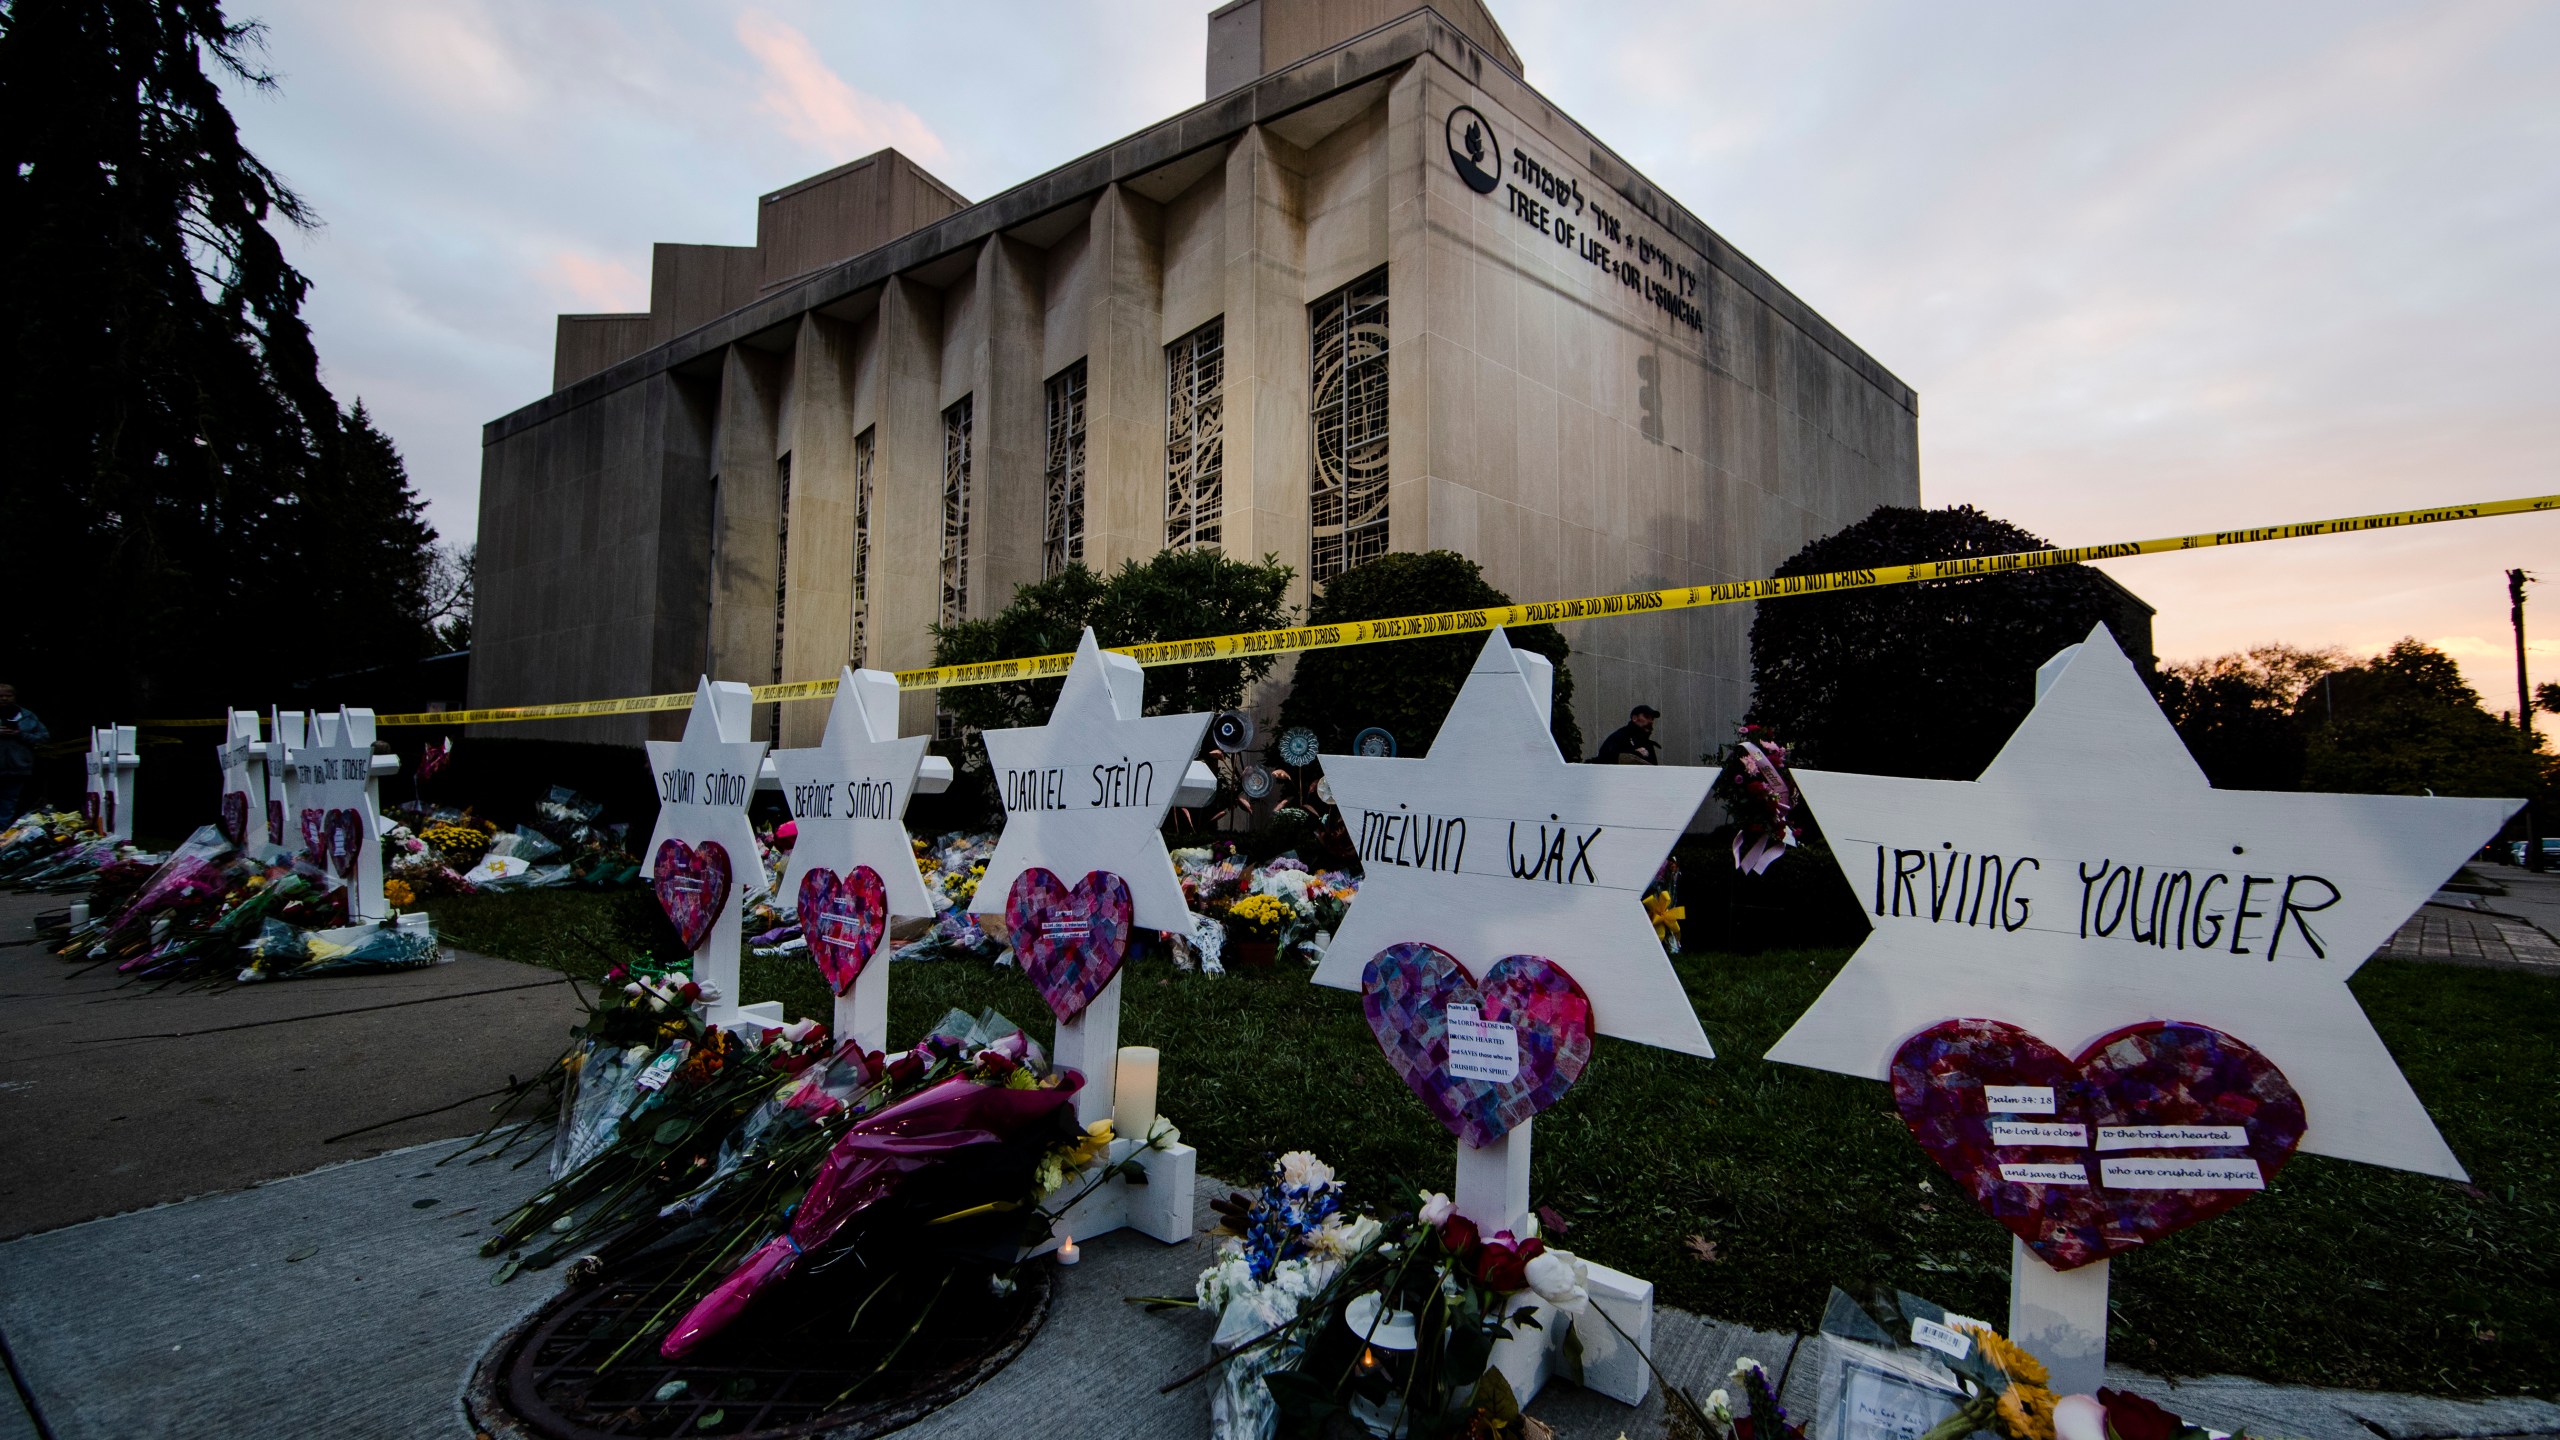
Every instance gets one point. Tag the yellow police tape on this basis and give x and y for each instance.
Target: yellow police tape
(1470, 622)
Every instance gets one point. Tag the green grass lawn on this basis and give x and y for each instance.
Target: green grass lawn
(2341, 1274)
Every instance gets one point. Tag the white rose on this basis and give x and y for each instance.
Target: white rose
(1346, 1236)
(1437, 1208)
(1561, 1279)
(1301, 1170)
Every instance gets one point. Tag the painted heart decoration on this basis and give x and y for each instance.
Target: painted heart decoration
(2152, 1129)
(315, 836)
(692, 883)
(275, 822)
(843, 917)
(346, 832)
(235, 816)
(1533, 1023)
(1070, 942)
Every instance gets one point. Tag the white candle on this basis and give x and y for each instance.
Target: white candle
(1133, 1093)
(1067, 1254)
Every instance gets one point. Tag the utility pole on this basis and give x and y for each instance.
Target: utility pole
(2516, 581)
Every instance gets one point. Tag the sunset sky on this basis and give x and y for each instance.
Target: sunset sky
(2152, 269)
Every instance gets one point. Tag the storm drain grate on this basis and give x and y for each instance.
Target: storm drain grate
(842, 1353)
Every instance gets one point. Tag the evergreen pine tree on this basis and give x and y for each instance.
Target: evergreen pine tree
(187, 522)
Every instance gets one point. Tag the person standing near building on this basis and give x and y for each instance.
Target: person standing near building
(1632, 743)
(20, 733)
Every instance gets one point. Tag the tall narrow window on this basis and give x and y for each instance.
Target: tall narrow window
(1062, 537)
(955, 511)
(1348, 378)
(863, 445)
(781, 581)
(1195, 436)
(711, 592)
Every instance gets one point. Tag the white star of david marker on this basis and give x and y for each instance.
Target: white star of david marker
(849, 795)
(704, 783)
(1089, 790)
(1495, 846)
(2093, 879)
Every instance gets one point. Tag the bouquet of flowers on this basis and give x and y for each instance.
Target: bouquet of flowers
(1212, 876)
(1754, 789)
(1761, 1416)
(739, 1150)
(1280, 1248)
(1283, 900)
(1257, 917)
(458, 844)
(71, 864)
(285, 953)
(952, 867)
(1390, 1322)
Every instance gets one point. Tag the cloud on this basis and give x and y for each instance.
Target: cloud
(594, 286)
(816, 107)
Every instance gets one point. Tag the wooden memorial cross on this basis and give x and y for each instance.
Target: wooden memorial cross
(1512, 862)
(1085, 797)
(243, 802)
(2095, 892)
(702, 859)
(853, 872)
(113, 757)
(334, 804)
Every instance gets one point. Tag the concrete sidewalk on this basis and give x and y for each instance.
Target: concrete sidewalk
(2447, 933)
(352, 1301)
(115, 1096)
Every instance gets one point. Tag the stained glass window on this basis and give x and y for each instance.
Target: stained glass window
(1348, 380)
(1195, 436)
(1062, 536)
(781, 580)
(955, 511)
(863, 447)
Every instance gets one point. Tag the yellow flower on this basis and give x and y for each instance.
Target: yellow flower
(1666, 916)
(2026, 1411)
(2014, 1362)
(398, 893)
(1260, 910)
(1097, 1139)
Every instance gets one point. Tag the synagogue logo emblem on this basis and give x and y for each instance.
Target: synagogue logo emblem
(1474, 151)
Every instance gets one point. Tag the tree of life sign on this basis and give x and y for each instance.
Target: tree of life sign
(1500, 926)
(703, 841)
(853, 873)
(2112, 999)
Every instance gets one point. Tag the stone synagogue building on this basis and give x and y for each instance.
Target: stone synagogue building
(1374, 294)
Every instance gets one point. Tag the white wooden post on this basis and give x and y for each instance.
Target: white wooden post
(285, 733)
(332, 777)
(1494, 845)
(244, 774)
(1061, 816)
(2060, 1315)
(849, 798)
(113, 757)
(2307, 885)
(704, 783)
